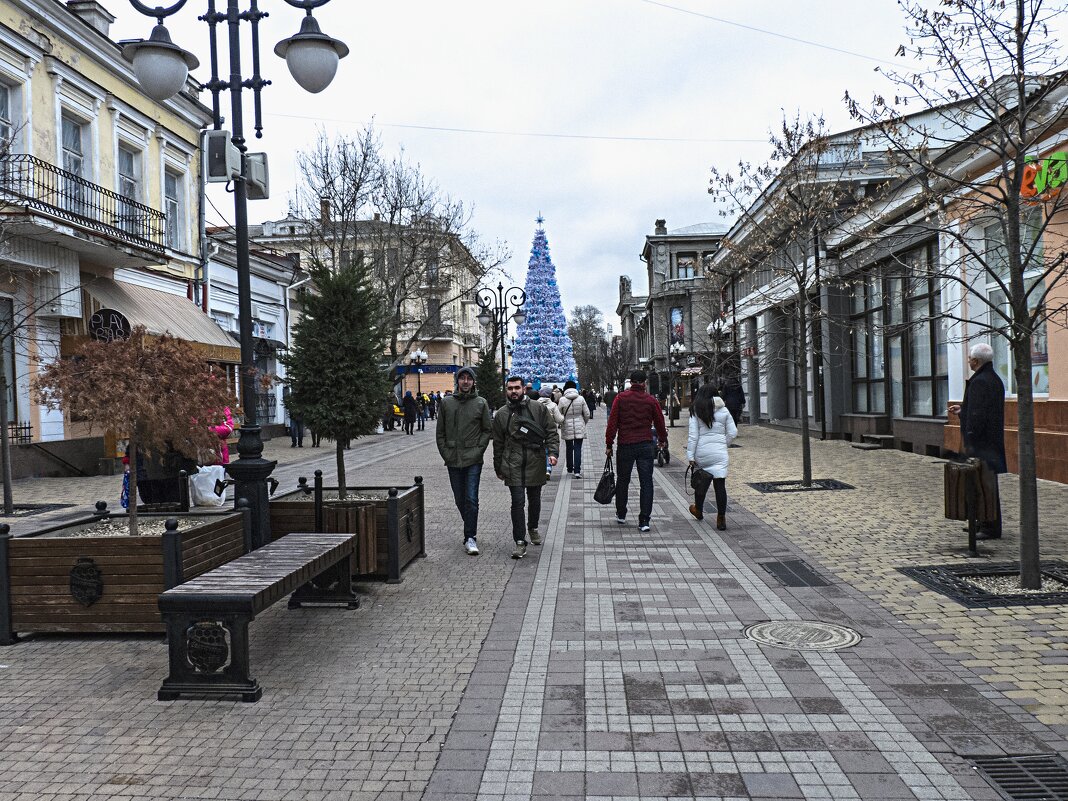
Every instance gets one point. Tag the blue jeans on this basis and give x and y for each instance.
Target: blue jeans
(573, 454)
(464, 482)
(640, 453)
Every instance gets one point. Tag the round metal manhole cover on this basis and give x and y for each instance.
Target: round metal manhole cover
(803, 635)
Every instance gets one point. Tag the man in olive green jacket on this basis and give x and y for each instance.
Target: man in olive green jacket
(523, 432)
(463, 434)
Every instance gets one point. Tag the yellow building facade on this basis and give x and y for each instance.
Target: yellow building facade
(95, 179)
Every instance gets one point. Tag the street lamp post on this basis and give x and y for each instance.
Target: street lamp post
(676, 351)
(161, 68)
(494, 306)
(418, 358)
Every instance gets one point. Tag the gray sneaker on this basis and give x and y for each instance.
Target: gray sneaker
(535, 537)
(520, 550)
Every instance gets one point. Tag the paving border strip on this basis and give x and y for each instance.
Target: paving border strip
(503, 688)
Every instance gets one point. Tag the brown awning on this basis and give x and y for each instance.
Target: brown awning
(161, 312)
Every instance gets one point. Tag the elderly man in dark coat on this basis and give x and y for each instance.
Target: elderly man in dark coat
(982, 425)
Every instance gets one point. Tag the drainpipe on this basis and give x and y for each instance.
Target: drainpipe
(202, 226)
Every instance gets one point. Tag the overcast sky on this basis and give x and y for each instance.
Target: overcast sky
(584, 75)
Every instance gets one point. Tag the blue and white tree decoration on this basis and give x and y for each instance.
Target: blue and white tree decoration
(543, 352)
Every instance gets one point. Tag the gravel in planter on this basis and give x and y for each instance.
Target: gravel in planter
(120, 527)
(1010, 585)
(365, 495)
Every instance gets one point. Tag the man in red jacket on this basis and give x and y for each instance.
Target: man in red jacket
(634, 415)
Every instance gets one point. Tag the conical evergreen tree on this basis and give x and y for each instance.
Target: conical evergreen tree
(336, 383)
(543, 352)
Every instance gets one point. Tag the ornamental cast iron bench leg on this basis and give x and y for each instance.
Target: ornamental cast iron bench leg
(332, 586)
(202, 662)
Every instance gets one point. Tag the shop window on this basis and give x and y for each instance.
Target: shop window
(999, 312)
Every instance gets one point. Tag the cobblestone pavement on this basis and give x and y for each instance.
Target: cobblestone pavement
(894, 519)
(356, 704)
(608, 665)
(617, 668)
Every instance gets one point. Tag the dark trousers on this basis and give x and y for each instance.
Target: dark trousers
(420, 422)
(409, 424)
(464, 482)
(532, 496)
(990, 486)
(640, 453)
(296, 431)
(573, 454)
(720, 485)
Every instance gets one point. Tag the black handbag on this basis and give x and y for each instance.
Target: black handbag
(606, 487)
(700, 479)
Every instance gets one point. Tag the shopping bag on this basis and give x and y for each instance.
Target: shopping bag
(202, 486)
(606, 487)
(124, 496)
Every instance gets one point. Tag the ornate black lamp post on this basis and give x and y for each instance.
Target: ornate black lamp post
(161, 68)
(495, 305)
(417, 358)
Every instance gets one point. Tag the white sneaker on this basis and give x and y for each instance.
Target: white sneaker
(535, 537)
(471, 546)
(644, 527)
(621, 520)
(578, 475)
(520, 550)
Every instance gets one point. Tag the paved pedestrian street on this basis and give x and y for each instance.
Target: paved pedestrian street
(607, 665)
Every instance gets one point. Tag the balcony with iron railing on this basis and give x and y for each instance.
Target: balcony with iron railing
(45, 188)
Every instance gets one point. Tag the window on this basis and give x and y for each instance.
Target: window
(997, 260)
(896, 324)
(73, 194)
(7, 127)
(172, 208)
(432, 267)
(685, 265)
(128, 186)
(866, 346)
(433, 315)
(927, 363)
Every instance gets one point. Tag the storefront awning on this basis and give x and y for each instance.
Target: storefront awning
(160, 313)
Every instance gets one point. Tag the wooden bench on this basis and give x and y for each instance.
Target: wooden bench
(207, 618)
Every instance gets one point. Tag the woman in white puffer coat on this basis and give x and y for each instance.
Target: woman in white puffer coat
(576, 414)
(711, 431)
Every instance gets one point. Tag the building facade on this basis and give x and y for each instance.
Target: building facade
(430, 287)
(98, 180)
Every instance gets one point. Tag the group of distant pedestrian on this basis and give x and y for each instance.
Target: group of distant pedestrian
(412, 412)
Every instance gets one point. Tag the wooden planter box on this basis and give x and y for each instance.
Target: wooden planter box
(392, 525)
(106, 584)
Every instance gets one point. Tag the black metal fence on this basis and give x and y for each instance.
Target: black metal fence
(20, 433)
(70, 197)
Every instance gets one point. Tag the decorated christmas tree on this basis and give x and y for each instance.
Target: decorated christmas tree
(543, 352)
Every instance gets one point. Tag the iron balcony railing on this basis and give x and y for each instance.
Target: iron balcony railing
(70, 197)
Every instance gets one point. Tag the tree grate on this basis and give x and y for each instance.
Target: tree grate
(795, 573)
(951, 581)
(798, 486)
(27, 509)
(1037, 777)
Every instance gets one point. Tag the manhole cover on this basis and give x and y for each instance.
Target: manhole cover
(1038, 776)
(802, 635)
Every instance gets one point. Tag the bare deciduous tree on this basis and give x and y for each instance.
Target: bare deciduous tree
(974, 112)
(586, 329)
(780, 208)
(417, 240)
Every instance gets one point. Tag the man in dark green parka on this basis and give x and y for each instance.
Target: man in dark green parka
(523, 433)
(463, 434)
